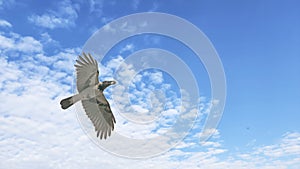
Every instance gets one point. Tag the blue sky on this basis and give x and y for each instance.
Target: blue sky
(257, 42)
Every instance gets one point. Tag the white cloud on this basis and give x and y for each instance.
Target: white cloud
(6, 42)
(289, 145)
(28, 44)
(109, 28)
(96, 6)
(211, 144)
(66, 59)
(64, 17)
(155, 77)
(210, 132)
(128, 47)
(31, 117)
(15, 42)
(36, 133)
(30, 114)
(4, 23)
(47, 39)
(139, 108)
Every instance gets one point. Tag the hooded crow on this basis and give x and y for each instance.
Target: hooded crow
(90, 92)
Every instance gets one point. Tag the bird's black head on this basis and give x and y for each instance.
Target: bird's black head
(105, 84)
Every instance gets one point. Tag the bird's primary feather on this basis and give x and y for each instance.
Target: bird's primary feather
(87, 72)
(101, 115)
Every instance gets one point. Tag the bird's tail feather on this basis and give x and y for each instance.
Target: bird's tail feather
(67, 102)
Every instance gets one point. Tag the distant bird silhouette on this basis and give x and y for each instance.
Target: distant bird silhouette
(90, 92)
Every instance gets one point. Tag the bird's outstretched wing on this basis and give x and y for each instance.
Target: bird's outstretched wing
(98, 110)
(87, 72)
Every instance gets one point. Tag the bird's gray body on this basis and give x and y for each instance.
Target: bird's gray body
(86, 94)
(90, 93)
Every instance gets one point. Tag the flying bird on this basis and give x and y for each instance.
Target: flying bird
(90, 92)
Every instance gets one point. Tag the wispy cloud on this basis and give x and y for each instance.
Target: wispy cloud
(4, 4)
(47, 39)
(289, 145)
(4, 23)
(135, 4)
(128, 47)
(63, 17)
(96, 7)
(155, 7)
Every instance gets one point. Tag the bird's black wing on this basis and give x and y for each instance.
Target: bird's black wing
(98, 110)
(87, 72)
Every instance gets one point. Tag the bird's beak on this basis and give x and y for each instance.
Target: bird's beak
(113, 82)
